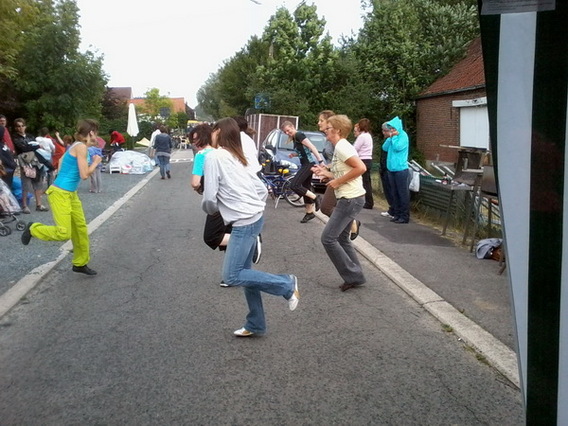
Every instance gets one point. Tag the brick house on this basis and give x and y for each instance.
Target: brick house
(453, 110)
(124, 94)
(178, 105)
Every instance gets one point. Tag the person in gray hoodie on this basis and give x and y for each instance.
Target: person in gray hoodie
(236, 192)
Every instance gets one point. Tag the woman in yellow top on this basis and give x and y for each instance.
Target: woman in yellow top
(344, 176)
(65, 204)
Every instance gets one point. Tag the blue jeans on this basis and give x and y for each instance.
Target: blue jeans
(400, 194)
(237, 272)
(336, 241)
(164, 162)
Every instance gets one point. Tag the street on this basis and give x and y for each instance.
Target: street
(149, 340)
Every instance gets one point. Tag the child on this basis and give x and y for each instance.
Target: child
(96, 177)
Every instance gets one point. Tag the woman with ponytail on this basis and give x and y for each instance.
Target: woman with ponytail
(66, 206)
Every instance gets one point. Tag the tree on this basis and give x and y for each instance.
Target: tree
(56, 83)
(209, 96)
(16, 16)
(155, 104)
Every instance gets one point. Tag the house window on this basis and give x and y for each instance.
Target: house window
(474, 123)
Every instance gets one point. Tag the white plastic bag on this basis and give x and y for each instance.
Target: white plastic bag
(414, 181)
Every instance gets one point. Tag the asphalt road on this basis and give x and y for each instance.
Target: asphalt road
(149, 340)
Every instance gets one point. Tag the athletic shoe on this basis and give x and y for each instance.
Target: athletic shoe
(26, 210)
(356, 233)
(307, 217)
(293, 301)
(84, 270)
(243, 332)
(224, 284)
(318, 202)
(386, 214)
(27, 234)
(257, 250)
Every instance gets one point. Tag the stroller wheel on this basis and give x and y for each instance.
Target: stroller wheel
(20, 225)
(5, 230)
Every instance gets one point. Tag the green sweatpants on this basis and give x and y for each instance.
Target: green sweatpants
(70, 223)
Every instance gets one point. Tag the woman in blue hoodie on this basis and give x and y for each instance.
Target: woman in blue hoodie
(396, 147)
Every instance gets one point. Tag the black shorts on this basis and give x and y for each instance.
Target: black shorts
(215, 230)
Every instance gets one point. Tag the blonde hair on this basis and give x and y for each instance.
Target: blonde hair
(342, 123)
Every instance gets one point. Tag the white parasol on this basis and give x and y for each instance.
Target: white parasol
(132, 128)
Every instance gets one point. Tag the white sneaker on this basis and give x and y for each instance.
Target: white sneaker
(243, 332)
(293, 301)
(258, 250)
(386, 214)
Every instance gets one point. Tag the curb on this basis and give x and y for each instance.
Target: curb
(495, 352)
(19, 290)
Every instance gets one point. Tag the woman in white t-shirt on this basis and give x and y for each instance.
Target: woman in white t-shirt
(344, 176)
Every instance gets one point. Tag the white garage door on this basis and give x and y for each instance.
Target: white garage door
(474, 127)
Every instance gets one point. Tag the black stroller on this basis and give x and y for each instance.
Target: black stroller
(9, 208)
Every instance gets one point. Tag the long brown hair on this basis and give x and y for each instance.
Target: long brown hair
(230, 138)
(84, 127)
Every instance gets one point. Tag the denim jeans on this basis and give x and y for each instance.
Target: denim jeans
(164, 162)
(237, 272)
(400, 194)
(336, 241)
(387, 191)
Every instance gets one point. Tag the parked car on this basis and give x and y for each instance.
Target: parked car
(278, 146)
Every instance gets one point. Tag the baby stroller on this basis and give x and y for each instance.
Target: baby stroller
(9, 208)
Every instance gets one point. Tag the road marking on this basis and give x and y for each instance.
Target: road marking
(13, 296)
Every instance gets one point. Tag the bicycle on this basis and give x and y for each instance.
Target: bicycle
(278, 185)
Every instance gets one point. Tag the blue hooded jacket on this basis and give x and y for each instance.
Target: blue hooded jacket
(397, 147)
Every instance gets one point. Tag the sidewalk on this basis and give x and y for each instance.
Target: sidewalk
(461, 291)
(464, 293)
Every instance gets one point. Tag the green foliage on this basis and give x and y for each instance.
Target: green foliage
(154, 102)
(403, 46)
(16, 17)
(178, 120)
(52, 83)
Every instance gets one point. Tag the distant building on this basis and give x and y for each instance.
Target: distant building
(124, 94)
(453, 110)
(178, 105)
(120, 93)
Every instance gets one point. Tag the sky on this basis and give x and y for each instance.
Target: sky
(176, 45)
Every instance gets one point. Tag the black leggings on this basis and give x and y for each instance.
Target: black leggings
(215, 230)
(302, 182)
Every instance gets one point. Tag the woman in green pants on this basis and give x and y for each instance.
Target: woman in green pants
(65, 204)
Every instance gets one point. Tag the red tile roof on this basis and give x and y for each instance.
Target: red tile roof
(466, 74)
(124, 93)
(178, 104)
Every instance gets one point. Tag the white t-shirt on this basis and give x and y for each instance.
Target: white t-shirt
(251, 154)
(354, 188)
